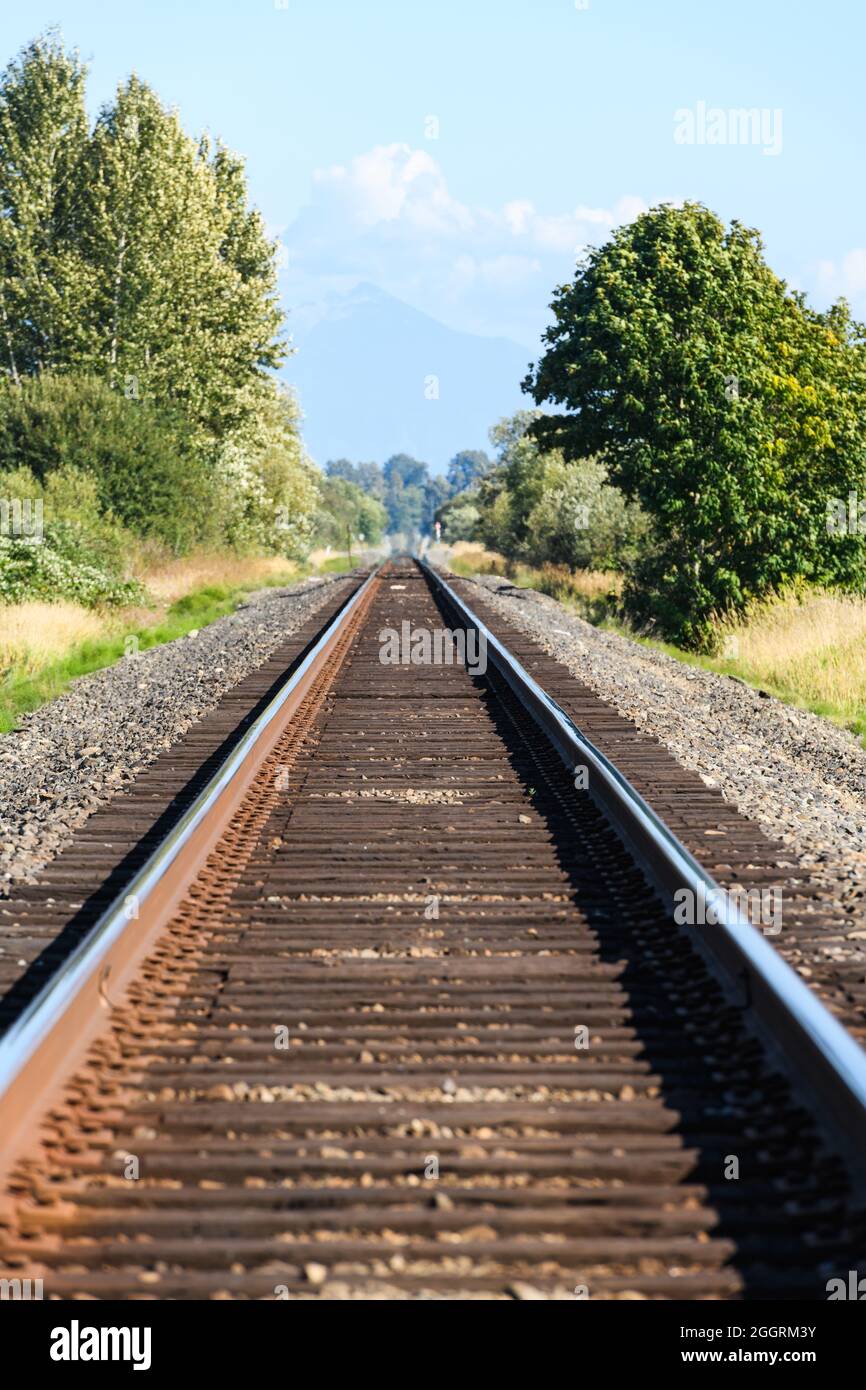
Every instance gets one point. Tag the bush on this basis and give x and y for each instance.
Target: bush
(42, 571)
(580, 520)
(141, 456)
(346, 514)
(459, 517)
(542, 509)
(76, 552)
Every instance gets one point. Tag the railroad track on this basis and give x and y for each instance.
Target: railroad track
(392, 1011)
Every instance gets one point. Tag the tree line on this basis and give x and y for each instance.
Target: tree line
(139, 328)
(696, 424)
(401, 496)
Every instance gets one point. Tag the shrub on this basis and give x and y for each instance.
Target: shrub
(459, 517)
(347, 514)
(141, 456)
(542, 509)
(80, 555)
(42, 571)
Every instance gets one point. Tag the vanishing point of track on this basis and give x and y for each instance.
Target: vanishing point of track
(407, 1020)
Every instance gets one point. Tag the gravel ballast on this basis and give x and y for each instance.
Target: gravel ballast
(74, 754)
(798, 776)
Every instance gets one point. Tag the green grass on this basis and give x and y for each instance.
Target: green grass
(21, 692)
(338, 564)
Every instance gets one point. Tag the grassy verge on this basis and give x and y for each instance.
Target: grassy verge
(43, 647)
(792, 687)
(592, 594)
(807, 648)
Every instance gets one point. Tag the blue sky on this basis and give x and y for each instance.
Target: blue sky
(554, 123)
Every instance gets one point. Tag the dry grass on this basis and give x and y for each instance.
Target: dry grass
(591, 593)
(562, 582)
(176, 578)
(468, 557)
(33, 634)
(44, 646)
(472, 556)
(809, 648)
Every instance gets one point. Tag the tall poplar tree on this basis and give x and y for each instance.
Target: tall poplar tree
(43, 137)
(130, 257)
(182, 274)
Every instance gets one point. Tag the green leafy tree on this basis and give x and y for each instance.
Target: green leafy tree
(342, 468)
(289, 479)
(719, 401)
(371, 479)
(537, 507)
(140, 456)
(405, 496)
(367, 476)
(139, 318)
(466, 469)
(43, 135)
(436, 492)
(459, 517)
(267, 487)
(183, 280)
(348, 515)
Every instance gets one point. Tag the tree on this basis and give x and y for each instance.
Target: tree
(459, 517)
(289, 480)
(719, 401)
(346, 514)
(466, 469)
(436, 491)
(536, 506)
(367, 476)
(183, 279)
(341, 468)
(138, 456)
(43, 134)
(139, 320)
(405, 482)
(371, 479)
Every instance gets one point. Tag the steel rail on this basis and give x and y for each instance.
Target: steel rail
(119, 938)
(824, 1063)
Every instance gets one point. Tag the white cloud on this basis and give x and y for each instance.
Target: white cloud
(391, 183)
(389, 216)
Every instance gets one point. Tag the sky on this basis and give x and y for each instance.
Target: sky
(459, 155)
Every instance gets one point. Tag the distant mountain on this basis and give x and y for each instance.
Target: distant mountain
(363, 373)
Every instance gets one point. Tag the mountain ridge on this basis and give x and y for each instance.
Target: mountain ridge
(376, 377)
